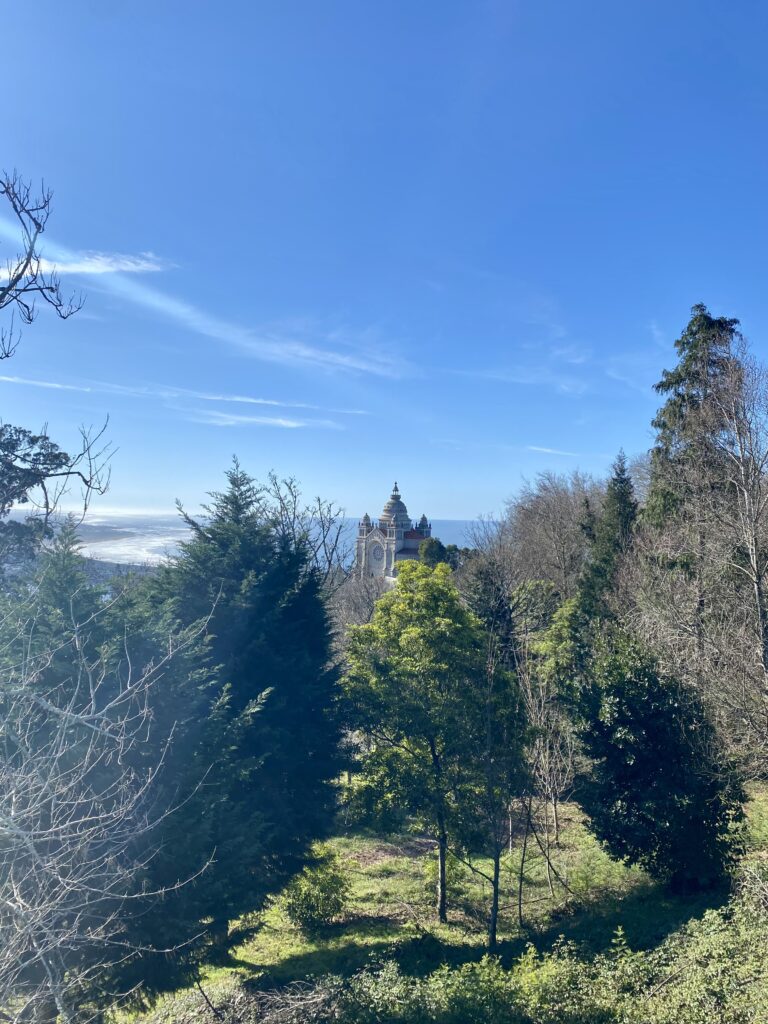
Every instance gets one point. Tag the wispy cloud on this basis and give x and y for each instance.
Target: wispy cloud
(53, 385)
(574, 355)
(248, 400)
(89, 263)
(551, 451)
(310, 347)
(227, 419)
(273, 344)
(106, 263)
(544, 375)
(483, 445)
(170, 393)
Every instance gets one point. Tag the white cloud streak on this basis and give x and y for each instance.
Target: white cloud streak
(106, 263)
(170, 393)
(52, 385)
(226, 419)
(354, 353)
(272, 345)
(551, 451)
(90, 263)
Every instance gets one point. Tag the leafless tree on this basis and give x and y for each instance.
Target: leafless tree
(740, 513)
(353, 602)
(35, 472)
(516, 607)
(543, 523)
(78, 808)
(318, 524)
(695, 587)
(27, 277)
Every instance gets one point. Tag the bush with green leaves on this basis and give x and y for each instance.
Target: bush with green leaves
(660, 791)
(318, 895)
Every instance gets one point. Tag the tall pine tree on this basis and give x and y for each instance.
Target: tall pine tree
(684, 455)
(611, 536)
(259, 785)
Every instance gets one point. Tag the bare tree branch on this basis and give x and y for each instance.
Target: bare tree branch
(26, 276)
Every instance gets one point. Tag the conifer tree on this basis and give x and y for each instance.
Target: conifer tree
(685, 455)
(260, 780)
(660, 792)
(656, 785)
(611, 538)
(689, 468)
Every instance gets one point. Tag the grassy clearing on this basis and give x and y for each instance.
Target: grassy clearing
(390, 913)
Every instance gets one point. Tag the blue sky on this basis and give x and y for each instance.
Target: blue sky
(449, 243)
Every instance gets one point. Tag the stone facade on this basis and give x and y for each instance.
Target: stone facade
(381, 545)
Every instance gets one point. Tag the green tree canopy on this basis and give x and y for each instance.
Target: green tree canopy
(611, 535)
(443, 723)
(688, 421)
(660, 792)
(259, 780)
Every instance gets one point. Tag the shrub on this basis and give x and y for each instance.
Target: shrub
(661, 792)
(316, 896)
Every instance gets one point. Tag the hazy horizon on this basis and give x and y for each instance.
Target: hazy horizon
(139, 539)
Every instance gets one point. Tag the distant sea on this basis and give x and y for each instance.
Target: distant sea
(138, 539)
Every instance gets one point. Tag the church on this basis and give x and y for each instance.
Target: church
(380, 546)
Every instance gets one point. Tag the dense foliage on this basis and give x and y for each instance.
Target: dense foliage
(660, 791)
(260, 762)
(317, 895)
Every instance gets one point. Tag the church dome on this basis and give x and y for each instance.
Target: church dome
(395, 510)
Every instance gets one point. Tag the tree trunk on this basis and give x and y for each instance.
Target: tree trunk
(548, 852)
(700, 608)
(219, 932)
(762, 618)
(494, 916)
(556, 816)
(442, 837)
(442, 888)
(522, 867)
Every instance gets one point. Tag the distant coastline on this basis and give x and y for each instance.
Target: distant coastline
(140, 539)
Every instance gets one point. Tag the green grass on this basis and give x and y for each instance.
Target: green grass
(390, 913)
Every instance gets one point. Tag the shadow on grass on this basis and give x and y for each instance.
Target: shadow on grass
(341, 948)
(647, 915)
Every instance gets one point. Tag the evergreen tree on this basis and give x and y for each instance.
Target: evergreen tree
(690, 466)
(656, 786)
(660, 792)
(432, 552)
(687, 423)
(259, 785)
(49, 608)
(610, 536)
